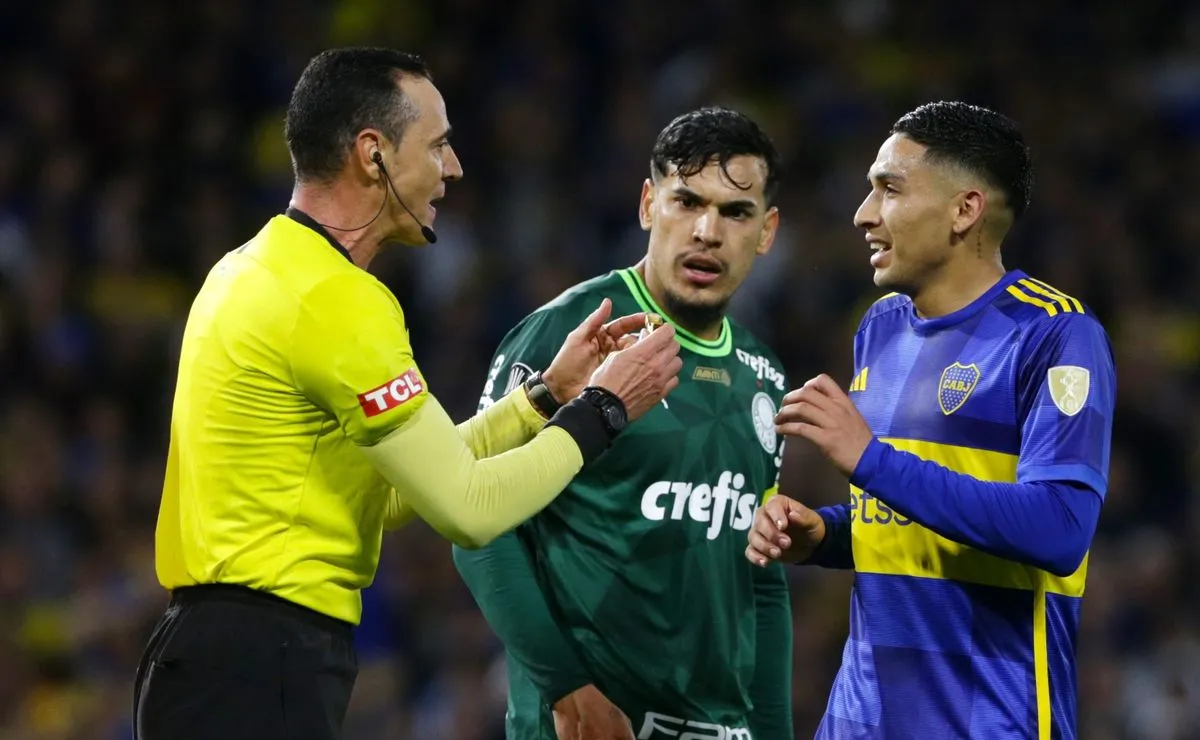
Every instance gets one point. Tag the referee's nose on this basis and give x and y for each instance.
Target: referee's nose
(451, 167)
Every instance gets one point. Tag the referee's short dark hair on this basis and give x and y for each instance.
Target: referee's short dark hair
(341, 92)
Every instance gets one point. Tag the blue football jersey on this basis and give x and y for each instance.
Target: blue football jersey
(947, 641)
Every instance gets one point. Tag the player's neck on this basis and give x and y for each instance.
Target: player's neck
(336, 206)
(953, 289)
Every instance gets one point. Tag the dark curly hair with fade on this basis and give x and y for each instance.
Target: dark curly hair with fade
(714, 134)
(978, 140)
(340, 93)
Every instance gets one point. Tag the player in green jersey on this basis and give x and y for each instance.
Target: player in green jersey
(626, 607)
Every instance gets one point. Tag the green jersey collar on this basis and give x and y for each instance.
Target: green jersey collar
(718, 347)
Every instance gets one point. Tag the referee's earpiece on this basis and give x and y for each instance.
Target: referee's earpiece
(426, 232)
(377, 158)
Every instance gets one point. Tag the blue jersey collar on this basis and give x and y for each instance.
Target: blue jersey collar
(941, 322)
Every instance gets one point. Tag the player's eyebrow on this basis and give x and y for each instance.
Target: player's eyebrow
(445, 135)
(745, 205)
(884, 176)
(687, 192)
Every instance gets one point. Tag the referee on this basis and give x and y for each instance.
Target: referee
(302, 427)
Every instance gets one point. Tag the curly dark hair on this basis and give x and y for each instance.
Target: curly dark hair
(340, 93)
(978, 140)
(714, 134)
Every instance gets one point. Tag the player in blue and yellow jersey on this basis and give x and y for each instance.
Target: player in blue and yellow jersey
(975, 435)
(302, 426)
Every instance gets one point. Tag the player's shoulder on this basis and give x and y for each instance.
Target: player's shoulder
(1039, 307)
(554, 319)
(745, 340)
(886, 307)
(768, 370)
(579, 300)
(585, 296)
(1053, 326)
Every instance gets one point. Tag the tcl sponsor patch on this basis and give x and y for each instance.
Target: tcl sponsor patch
(392, 394)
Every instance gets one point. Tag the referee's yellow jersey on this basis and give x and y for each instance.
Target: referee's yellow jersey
(295, 365)
(260, 475)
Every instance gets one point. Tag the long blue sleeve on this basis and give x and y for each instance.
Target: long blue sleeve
(1046, 524)
(835, 551)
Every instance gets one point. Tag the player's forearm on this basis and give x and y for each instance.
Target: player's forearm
(836, 550)
(472, 501)
(502, 580)
(1046, 524)
(771, 689)
(510, 422)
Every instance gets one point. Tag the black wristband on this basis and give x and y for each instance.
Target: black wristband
(583, 422)
(540, 396)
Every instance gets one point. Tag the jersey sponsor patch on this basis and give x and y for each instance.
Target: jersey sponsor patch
(955, 387)
(712, 375)
(517, 374)
(762, 367)
(656, 726)
(392, 394)
(716, 506)
(1069, 387)
(762, 411)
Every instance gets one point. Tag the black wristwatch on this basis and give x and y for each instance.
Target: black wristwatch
(540, 395)
(611, 408)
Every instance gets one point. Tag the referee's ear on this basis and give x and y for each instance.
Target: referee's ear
(367, 156)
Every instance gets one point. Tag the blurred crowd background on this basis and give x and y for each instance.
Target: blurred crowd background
(140, 140)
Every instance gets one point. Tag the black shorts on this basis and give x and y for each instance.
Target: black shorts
(228, 662)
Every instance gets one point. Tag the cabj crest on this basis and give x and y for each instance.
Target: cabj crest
(956, 385)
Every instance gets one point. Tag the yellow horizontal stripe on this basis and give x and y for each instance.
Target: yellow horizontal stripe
(887, 543)
(1066, 305)
(1020, 296)
(1074, 302)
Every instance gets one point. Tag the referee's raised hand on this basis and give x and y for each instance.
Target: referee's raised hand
(643, 373)
(585, 348)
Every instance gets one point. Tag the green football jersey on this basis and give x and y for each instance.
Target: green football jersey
(642, 557)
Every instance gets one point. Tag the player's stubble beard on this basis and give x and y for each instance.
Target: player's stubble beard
(696, 316)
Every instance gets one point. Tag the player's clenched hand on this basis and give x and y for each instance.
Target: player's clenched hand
(822, 413)
(587, 714)
(784, 529)
(643, 373)
(585, 348)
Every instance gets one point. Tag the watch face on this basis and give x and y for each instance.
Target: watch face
(616, 419)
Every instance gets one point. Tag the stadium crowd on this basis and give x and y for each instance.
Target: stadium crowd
(141, 140)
